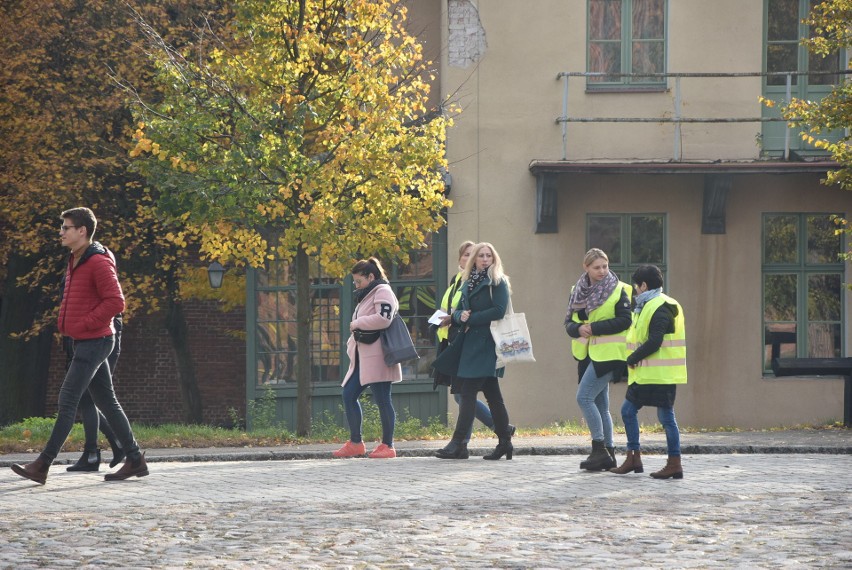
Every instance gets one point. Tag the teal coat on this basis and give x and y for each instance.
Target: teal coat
(487, 303)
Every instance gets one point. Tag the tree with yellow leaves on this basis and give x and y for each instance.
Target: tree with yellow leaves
(66, 131)
(297, 129)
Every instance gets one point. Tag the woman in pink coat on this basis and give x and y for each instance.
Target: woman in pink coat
(376, 307)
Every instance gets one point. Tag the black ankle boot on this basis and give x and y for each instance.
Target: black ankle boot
(85, 463)
(504, 447)
(117, 453)
(600, 459)
(453, 450)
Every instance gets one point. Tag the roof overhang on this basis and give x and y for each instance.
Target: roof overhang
(717, 167)
(717, 182)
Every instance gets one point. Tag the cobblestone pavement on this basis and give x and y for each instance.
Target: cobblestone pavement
(536, 511)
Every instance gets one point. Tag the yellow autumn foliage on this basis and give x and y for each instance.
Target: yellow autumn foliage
(304, 136)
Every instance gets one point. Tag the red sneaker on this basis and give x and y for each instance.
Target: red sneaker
(351, 450)
(383, 452)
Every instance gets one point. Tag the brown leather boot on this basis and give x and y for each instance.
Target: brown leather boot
(632, 463)
(35, 471)
(672, 470)
(131, 468)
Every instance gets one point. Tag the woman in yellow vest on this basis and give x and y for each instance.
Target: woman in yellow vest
(656, 360)
(597, 320)
(446, 333)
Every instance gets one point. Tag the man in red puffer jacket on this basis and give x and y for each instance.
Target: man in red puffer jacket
(91, 298)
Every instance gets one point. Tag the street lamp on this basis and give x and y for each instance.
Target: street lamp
(215, 273)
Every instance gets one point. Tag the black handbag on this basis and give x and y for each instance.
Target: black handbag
(447, 362)
(439, 378)
(366, 337)
(397, 345)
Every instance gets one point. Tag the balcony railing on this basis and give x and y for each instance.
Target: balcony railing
(677, 117)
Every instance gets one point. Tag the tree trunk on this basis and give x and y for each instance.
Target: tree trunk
(303, 344)
(24, 365)
(179, 334)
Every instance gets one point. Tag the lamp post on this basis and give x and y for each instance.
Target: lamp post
(215, 273)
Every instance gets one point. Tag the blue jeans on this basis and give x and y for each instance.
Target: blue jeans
(482, 413)
(381, 391)
(90, 370)
(666, 415)
(593, 399)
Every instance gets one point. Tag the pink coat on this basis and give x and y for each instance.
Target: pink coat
(374, 312)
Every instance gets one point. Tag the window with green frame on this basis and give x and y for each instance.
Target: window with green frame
(784, 29)
(626, 36)
(275, 331)
(416, 287)
(803, 275)
(784, 48)
(629, 240)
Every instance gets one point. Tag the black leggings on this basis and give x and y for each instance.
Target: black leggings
(490, 388)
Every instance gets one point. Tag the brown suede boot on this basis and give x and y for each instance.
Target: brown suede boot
(131, 468)
(672, 470)
(632, 463)
(35, 471)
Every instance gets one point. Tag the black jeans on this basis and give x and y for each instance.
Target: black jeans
(92, 417)
(90, 370)
(490, 387)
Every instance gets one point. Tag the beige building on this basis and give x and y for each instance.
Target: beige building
(730, 207)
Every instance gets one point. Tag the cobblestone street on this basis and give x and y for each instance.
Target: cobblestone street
(730, 511)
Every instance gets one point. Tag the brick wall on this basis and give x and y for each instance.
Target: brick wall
(467, 42)
(146, 377)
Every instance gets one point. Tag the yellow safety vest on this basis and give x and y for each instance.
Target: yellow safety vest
(667, 365)
(448, 304)
(605, 347)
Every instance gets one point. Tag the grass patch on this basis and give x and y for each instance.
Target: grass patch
(31, 434)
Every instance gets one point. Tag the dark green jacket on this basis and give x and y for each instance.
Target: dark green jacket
(487, 303)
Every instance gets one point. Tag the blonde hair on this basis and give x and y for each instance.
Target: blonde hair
(592, 255)
(465, 244)
(495, 271)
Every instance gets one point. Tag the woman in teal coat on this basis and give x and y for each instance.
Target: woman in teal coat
(485, 296)
(446, 332)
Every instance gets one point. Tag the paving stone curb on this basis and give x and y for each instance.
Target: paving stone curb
(830, 442)
(207, 456)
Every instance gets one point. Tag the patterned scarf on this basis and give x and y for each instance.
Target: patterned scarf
(590, 296)
(476, 278)
(643, 298)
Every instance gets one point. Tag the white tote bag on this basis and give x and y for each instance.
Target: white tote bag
(512, 341)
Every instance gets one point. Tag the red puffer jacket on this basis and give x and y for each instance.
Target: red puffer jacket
(92, 295)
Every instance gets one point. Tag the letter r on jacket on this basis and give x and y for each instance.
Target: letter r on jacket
(386, 310)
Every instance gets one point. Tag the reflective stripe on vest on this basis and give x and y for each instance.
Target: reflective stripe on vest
(606, 347)
(668, 364)
(448, 304)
